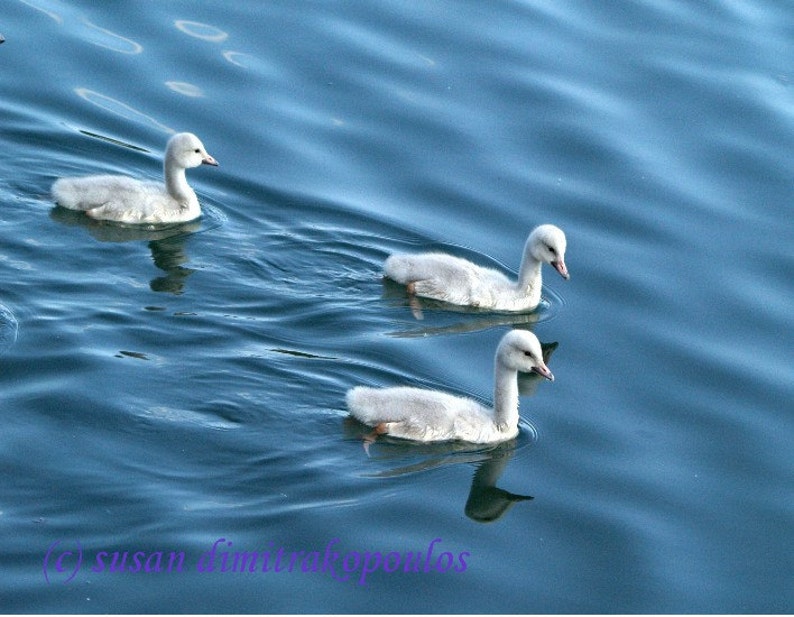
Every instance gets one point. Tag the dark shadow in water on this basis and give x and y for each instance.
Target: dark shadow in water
(477, 319)
(165, 241)
(169, 255)
(486, 501)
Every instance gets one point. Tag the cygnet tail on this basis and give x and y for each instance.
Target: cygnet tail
(363, 405)
(373, 406)
(90, 192)
(81, 193)
(433, 275)
(65, 193)
(400, 268)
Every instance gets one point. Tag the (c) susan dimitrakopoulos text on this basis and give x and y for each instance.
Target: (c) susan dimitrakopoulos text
(223, 557)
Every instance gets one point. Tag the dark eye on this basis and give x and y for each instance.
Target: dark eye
(552, 250)
(528, 354)
(197, 151)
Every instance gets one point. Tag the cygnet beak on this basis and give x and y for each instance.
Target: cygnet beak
(559, 266)
(208, 160)
(543, 371)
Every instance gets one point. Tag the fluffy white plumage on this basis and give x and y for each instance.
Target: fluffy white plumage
(127, 200)
(458, 281)
(430, 415)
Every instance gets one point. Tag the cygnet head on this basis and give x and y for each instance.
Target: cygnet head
(520, 351)
(186, 150)
(547, 244)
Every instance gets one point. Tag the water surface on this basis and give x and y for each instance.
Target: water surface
(164, 389)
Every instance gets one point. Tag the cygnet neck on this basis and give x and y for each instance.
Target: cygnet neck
(505, 396)
(529, 276)
(176, 181)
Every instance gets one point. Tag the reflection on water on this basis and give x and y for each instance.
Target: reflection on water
(476, 323)
(166, 242)
(112, 41)
(201, 31)
(211, 34)
(487, 502)
(49, 12)
(95, 34)
(169, 255)
(238, 58)
(120, 109)
(182, 87)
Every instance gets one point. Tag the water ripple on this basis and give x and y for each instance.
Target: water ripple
(111, 40)
(239, 58)
(49, 11)
(8, 329)
(185, 88)
(205, 32)
(354, 130)
(117, 108)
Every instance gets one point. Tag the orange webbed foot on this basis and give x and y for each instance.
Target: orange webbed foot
(370, 437)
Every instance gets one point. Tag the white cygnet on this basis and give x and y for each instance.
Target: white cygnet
(430, 415)
(451, 279)
(127, 200)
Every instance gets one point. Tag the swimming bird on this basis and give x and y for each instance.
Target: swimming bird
(430, 415)
(455, 280)
(127, 200)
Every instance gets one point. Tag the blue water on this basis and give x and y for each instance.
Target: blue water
(163, 389)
